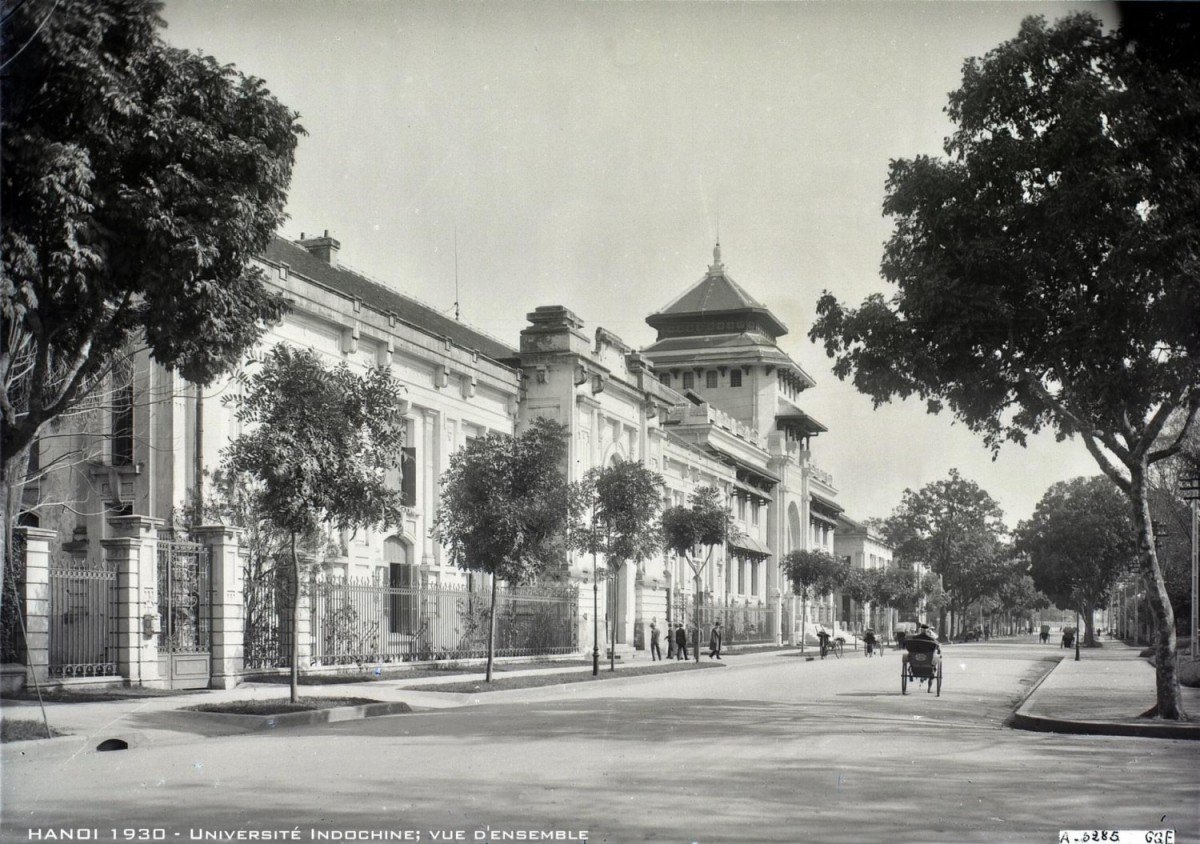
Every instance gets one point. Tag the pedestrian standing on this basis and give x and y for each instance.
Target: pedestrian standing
(670, 640)
(655, 649)
(681, 651)
(714, 641)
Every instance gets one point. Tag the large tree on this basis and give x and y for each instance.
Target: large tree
(1079, 540)
(956, 528)
(812, 573)
(139, 180)
(705, 523)
(618, 521)
(319, 442)
(505, 508)
(1046, 268)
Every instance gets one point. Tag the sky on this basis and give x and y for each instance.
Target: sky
(589, 155)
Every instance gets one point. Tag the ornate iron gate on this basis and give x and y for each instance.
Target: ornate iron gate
(82, 623)
(185, 614)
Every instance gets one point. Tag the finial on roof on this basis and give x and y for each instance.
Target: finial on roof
(716, 264)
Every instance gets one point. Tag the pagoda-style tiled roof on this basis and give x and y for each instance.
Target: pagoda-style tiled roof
(712, 306)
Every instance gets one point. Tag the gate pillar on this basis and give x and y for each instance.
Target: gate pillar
(36, 602)
(133, 552)
(228, 604)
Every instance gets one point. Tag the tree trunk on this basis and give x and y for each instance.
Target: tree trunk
(491, 632)
(1089, 626)
(13, 471)
(803, 616)
(295, 631)
(1168, 700)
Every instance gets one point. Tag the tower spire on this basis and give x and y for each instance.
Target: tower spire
(716, 265)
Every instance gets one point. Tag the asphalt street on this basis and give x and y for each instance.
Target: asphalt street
(770, 748)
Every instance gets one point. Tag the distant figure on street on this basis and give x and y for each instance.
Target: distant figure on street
(869, 641)
(670, 641)
(823, 638)
(655, 648)
(714, 641)
(681, 651)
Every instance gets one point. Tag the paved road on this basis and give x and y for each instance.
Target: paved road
(772, 748)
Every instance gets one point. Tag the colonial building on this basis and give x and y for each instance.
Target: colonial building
(713, 401)
(866, 549)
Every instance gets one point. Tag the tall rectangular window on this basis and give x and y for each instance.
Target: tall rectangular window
(689, 380)
(735, 378)
(710, 379)
(754, 577)
(665, 378)
(122, 425)
(408, 476)
(741, 567)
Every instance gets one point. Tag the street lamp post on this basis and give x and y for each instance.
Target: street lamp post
(1190, 487)
(595, 617)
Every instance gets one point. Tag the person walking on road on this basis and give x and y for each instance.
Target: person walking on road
(681, 651)
(655, 648)
(714, 641)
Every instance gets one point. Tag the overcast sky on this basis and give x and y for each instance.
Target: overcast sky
(587, 155)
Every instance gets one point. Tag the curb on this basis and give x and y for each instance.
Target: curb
(1045, 724)
(254, 723)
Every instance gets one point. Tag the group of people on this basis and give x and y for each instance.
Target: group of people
(677, 641)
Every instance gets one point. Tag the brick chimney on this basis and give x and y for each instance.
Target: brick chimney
(324, 247)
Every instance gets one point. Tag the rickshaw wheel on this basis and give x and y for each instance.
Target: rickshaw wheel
(939, 680)
(903, 679)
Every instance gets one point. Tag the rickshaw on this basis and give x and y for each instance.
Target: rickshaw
(921, 663)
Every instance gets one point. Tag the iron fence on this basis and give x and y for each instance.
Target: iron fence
(266, 631)
(740, 624)
(360, 621)
(83, 619)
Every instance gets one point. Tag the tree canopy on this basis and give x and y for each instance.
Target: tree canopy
(1045, 269)
(620, 514)
(319, 442)
(1078, 541)
(704, 522)
(506, 506)
(139, 180)
(956, 528)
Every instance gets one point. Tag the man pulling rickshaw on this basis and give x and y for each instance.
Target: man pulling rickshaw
(922, 660)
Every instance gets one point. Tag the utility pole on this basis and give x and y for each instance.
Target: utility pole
(1189, 486)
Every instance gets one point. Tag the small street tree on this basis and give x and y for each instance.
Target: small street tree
(705, 523)
(505, 508)
(1079, 540)
(955, 527)
(1045, 270)
(320, 442)
(812, 573)
(619, 520)
(139, 180)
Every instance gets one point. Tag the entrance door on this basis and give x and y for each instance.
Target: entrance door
(185, 615)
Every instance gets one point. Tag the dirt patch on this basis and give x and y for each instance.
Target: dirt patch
(24, 729)
(279, 707)
(533, 681)
(436, 669)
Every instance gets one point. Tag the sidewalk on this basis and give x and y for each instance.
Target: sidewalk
(1103, 694)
